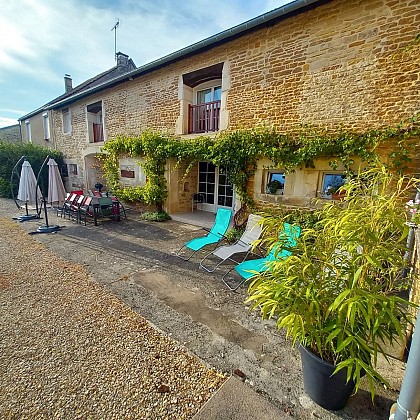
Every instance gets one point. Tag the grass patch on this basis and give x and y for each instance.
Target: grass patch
(154, 216)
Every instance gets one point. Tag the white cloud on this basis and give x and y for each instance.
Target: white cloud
(5, 122)
(43, 40)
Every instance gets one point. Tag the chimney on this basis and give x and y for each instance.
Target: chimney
(68, 83)
(122, 61)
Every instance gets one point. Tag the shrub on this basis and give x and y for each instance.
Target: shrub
(10, 153)
(234, 233)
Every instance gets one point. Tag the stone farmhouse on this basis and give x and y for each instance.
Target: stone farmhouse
(331, 63)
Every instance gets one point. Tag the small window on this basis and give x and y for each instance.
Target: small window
(46, 125)
(73, 169)
(275, 182)
(66, 121)
(28, 131)
(332, 182)
(126, 173)
(65, 171)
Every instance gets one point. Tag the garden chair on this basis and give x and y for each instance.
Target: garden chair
(279, 251)
(59, 209)
(252, 232)
(65, 210)
(74, 210)
(215, 235)
(86, 210)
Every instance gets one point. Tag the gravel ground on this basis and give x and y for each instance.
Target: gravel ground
(69, 349)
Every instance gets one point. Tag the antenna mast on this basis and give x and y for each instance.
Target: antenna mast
(114, 28)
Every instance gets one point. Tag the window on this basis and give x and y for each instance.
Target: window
(127, 173)
(66, 121)
(200, 94)
(131, 172)
(332, 182)
(46, 125)
(65, 171)
(28, 131)
(209, 95)
(95, 124)
(73, 169)
(275, 182)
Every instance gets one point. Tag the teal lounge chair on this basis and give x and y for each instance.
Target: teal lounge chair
(215, 235)
(250, 268)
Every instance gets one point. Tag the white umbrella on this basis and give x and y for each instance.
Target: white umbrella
(56, 191)
(27, 189)
(27, 184)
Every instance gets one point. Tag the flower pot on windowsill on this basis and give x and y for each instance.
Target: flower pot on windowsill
(274, 186)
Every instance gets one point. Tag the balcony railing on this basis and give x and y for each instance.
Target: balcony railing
(204, 117)
(98, 133)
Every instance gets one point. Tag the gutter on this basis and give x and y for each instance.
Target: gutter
(207, 43)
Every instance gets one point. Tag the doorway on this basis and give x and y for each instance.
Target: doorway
(215, 187)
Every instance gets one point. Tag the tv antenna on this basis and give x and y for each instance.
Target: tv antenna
(114, 28)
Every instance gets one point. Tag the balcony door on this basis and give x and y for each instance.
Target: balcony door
(204, 115)
(215, 187)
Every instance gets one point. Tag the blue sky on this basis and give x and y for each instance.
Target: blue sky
(41, 40)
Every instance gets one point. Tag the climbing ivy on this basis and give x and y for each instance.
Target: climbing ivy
(239, 151)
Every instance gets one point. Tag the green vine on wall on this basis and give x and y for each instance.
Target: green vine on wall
(239, 151)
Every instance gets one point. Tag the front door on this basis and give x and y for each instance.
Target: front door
(213, 183)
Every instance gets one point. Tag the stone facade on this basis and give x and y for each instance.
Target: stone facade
(350, 64)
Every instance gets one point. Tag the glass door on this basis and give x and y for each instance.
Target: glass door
(213, 184)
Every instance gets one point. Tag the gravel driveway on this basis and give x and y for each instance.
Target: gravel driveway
(69, 349)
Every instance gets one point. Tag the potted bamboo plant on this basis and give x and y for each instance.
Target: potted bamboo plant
(336, 296)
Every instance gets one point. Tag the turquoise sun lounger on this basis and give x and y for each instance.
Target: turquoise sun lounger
(215, 235)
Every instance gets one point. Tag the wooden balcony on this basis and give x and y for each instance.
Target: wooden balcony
(203, 117)
(98, 133)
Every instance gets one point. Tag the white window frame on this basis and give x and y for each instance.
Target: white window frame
(211, 84)
(46, 125)
(28, 131)
(66, 119)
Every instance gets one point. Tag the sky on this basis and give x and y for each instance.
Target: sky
(42, 40)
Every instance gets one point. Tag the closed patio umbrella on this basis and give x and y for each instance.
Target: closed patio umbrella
(56, 191)
(27, 189)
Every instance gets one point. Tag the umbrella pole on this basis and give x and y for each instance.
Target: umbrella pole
(47, 228)
(14, 172)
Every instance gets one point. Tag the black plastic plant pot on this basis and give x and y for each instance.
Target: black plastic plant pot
(327, 390)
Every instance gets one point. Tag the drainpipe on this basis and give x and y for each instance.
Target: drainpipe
(408, 403)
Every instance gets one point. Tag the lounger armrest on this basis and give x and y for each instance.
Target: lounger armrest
(215, 234)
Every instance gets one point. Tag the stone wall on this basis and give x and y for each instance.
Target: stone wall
(351, 64)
